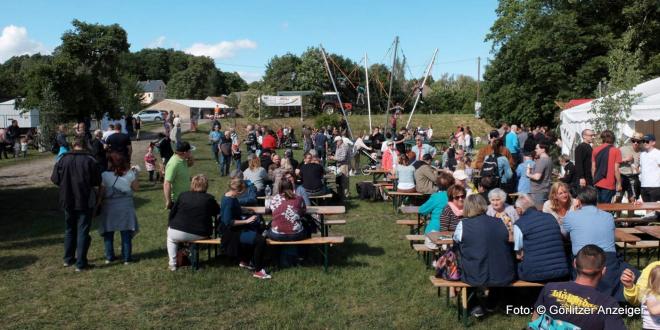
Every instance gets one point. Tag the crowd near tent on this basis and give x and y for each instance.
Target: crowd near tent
(188, 108)
(644, 117)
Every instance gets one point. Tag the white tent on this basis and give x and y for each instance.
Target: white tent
(576, 119)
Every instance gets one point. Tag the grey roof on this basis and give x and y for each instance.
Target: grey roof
(150, 86)
(295, 93)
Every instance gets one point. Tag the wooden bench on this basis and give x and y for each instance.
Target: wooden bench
(415, 225)
(397, 197)
(324, 241)
(425, 252)
(639, 246)
(462, 305)
(415, 238)
(194, 250)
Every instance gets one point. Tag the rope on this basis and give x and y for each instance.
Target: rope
(342, 71)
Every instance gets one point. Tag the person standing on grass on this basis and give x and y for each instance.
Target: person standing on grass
(605, 162)
(77, 175)
(177, 173)
(117, 209)
(120, 142)
(225, 154)
(583, 154)
(540, 175)
(98, 150)
(214, 137)
(649, 175)
(60, 138)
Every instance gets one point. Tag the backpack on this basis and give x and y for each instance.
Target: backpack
(546, 322)
(490, 168)
(446, 267)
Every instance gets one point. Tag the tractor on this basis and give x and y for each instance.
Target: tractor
(331, 104)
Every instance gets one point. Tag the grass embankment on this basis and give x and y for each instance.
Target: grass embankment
(375, 280)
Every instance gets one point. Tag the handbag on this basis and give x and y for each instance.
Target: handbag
(446, 267)
(182, 257)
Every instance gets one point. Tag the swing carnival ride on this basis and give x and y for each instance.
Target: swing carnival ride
(332, 100)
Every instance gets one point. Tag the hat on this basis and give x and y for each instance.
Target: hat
(182, 146)
(427, 157)
(460, 175)
(338, 138)
(389, 143)
(649, 137)
(638, 136)
(494, 134)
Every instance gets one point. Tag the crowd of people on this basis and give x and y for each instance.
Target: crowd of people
(551, 232)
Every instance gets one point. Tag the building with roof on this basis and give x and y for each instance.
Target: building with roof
(154, 91)
(187, 109)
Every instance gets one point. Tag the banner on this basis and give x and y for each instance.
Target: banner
(281, 101)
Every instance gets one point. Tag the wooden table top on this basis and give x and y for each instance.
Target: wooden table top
(629, 206)
(651, 230)
(622, 236)
(325, 210)
(441, 237)
(410, 209)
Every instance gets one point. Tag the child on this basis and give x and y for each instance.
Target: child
(651, 302)
(24, 146)
(150, 161)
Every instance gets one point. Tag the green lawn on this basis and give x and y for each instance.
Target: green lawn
(375, 279)
(32, 155)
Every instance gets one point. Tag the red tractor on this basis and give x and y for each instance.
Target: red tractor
(331, 104)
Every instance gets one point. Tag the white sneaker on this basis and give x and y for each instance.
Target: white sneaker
(262, 275)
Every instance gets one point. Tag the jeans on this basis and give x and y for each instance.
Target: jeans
(173, 238)
(237, 163)
(76, 236)
(300, 191)
(214, 150)
(539, 197)
(605, 195)
(225, 162)
(126, 245)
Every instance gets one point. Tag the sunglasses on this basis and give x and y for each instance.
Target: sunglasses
(636, 141)
(646, 142)
(459, 197)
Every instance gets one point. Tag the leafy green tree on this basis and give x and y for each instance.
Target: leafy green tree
(130, 96)
(281, 73)
(195, 82)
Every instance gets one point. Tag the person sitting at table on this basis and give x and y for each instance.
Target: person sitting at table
(559, 201)
(426, 177)
(422, 149)
(390, 157)
(288, 211)
(257, 175)
(452, 214)
(500, 209)
(485, 253)
(311, 173)
(276, 174)
(589, 225)
(576, 295)
(486, 184)
(405, 174)
(249, 196)
(435, 204)
(241, 237)
(191, 217)
(538, 244)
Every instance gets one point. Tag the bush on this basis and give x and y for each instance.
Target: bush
(324, 120)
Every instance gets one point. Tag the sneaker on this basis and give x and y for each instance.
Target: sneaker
(82, 269)
(172, 268)
(66, 264)
(245, 266)
(262, 275)
(477, 312)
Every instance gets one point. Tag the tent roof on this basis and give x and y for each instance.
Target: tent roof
(198, 103)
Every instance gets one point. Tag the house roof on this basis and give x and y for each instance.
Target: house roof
(216, 99)
(151, 85)
(198, 103)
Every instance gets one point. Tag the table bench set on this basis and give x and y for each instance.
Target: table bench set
(324, 241)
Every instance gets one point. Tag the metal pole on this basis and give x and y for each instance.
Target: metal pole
(366, 73)
(259, 108)
(428, 71)
(389, 93)
(478, 76)
(332, 79)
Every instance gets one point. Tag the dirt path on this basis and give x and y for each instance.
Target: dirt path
(37, 173)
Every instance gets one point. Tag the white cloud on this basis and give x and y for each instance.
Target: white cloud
(222, 50)
(250, 76)
(157, 43)
(14, 41)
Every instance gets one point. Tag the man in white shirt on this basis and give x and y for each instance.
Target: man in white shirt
(649, 170)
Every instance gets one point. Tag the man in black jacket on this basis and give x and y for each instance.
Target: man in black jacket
(77, 175)
(583, 159)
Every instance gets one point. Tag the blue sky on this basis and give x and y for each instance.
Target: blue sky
(243, 35)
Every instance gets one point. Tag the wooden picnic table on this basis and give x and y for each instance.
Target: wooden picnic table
(375, 173)
(626, 238)
(441, 237)
(615, 207)
(409, 209)
(653, 231)
(322, 211)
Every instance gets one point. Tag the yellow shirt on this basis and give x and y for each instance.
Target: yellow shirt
(635, 294)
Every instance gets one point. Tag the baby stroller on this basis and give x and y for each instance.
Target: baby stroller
(374, 163)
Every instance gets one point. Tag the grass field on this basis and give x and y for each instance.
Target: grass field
(375, 280)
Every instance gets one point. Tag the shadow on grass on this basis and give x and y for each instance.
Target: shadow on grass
(16, 262)
(29, 213)
(33, 243)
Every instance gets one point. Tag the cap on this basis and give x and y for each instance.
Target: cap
(494, 134)
(649, 137)
(427, 157)
(182, 146)
(460, 175)
(338, 138)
